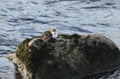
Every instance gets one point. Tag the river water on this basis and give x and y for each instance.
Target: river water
(20, 19)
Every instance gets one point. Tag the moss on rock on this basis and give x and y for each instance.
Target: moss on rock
(23, 52)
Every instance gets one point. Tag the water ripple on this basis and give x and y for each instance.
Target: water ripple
(41, 22)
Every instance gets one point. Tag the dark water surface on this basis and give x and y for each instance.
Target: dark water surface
(20, 19)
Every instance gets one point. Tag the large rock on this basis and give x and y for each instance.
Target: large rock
(67, 57)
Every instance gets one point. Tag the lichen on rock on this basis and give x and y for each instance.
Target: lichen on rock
(69, 56)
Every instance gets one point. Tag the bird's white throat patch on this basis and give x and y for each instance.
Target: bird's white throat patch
(54, 34)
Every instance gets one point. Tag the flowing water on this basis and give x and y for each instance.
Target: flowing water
(20, 19)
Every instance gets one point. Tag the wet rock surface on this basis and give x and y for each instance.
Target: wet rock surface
(67, 57)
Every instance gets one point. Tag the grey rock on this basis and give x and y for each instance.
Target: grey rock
(68, 57)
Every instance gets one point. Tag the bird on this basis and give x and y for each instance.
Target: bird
(50, 35)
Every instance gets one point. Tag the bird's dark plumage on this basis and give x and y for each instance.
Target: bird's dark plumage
(47, 36)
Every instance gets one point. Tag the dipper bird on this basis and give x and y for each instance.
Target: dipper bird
(50, 35)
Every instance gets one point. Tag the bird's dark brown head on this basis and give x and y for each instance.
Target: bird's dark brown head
(52, 30)
(54, 33)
